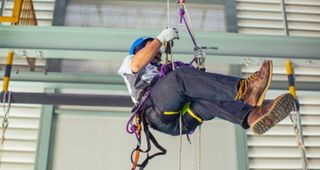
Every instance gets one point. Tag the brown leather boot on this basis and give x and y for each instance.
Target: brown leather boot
(253, 89)
(263, 118)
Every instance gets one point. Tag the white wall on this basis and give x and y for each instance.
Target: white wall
(100, 143)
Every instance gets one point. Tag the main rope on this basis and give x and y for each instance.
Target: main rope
(180, 143)
(182, 12)
(168, 51)
(199, 148)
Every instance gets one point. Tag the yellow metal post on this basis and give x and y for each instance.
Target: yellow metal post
(14, 19)
(6, 77)
(17, 10)
(292, 87)
(297, 119)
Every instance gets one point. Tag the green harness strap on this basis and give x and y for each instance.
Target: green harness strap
(185, 109)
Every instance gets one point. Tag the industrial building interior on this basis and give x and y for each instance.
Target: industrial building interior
(65, 107)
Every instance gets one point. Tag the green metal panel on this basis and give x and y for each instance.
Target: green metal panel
(103, 100)
(93, 113)
(67, 77)
(115, 89)
(174, 1)
(119, 40)
(44, 139)
(241, 137)
(69, 80)
(112, 56)
(59, 12)
(230, 13)
(242, 150)
(59, 15)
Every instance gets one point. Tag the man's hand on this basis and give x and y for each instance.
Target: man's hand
(167, 35)
(200, 57)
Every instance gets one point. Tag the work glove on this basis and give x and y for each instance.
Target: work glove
(200, 57)
(167, 35)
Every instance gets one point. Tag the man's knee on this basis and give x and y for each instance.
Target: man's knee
(191, 121)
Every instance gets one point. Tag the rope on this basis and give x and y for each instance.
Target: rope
(199, 148)
(168, 13)
(296, 119)
(5, 121)
(188, 16)
(299, 137)
(180, 143)
(183, 19)
(189, 29)
(183, 10)
(171, 56)
(168, 49)
(136, 152)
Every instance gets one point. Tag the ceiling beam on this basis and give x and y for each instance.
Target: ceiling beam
(119, 40)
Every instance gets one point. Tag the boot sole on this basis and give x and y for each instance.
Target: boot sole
(262, 96)
(279, 111)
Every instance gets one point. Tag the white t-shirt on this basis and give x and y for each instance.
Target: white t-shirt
(137, 83)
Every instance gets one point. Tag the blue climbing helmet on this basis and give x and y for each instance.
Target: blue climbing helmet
(139, 44)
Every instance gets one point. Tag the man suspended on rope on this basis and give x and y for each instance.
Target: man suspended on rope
(198, 96)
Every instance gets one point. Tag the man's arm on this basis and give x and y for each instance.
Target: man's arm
(144, 56)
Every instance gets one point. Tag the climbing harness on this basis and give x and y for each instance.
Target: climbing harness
(137, 120)
(135, 128)
(149, 138)
(295, 117)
